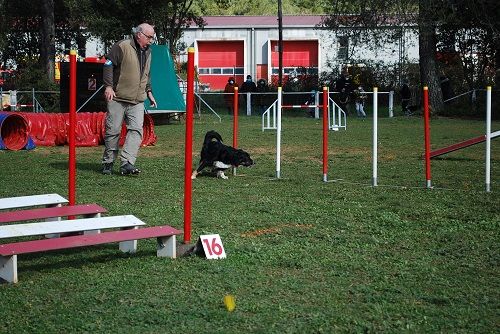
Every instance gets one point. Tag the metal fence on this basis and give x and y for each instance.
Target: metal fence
(29, 100)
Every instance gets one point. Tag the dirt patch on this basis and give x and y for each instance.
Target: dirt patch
(275, 230)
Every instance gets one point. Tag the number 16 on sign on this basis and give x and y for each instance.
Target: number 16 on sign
(212, 246)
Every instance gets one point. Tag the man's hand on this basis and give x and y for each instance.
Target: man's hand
(152, 100)
(109, 93)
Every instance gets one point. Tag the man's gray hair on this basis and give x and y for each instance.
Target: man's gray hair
(139, 28)
(136, 30)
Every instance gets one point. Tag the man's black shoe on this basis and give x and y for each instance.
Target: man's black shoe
(129, 169)
(107, 168)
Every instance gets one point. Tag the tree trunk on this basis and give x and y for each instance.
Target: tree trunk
(427, 49)
(497, 68)
(47, 38)
(81, 43)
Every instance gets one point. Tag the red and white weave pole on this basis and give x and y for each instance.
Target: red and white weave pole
(278, 134)
(72, 128)
(488, 137)
(188, 151)
(375, 138)
(235, 122)
(325, 134)
(427, 139)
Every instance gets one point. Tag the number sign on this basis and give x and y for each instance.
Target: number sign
(212, 246)
(92, 84)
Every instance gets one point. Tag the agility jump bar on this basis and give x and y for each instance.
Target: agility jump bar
(302, 106)
(463, 144)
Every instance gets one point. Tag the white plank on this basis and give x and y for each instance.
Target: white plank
(33, 200)
(68, 226)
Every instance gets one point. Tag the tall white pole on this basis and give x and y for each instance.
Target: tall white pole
(375, 136)
(488, 137)
(391, 103)
(278, 137)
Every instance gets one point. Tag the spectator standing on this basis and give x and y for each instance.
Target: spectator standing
(262, 88)
(405, 98)
(344, 100)
(311, 100)
(126, 76)
(248, 87)
(359, 99)
(229, 94)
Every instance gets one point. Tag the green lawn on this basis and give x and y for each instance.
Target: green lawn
(303, 256)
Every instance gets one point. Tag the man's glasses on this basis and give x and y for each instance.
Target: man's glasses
(147, 36)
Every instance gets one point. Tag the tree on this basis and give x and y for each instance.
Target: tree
(47, 38)
(111, 20)
(31, 30)
(170, 18)
(427, 42)
(372, 15)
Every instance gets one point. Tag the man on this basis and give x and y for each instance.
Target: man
(248, 86)
(126, 76)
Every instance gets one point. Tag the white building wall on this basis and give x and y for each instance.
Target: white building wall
(256, 45)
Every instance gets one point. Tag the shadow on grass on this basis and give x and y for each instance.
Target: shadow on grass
(87, 166)
(87, 257)
(454, 159)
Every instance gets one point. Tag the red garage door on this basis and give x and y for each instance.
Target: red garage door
(219, 60)
(297, 56)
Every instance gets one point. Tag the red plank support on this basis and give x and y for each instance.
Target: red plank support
(463, 144)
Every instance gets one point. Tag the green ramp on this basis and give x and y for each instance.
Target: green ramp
(166, 90)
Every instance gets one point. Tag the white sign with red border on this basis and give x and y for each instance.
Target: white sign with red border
(212, 246)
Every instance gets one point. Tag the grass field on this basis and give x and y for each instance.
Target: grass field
(303, 256)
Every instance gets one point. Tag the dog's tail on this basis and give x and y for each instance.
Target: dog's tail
(212, 135)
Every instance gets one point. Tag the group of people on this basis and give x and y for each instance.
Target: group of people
(248, 86)
(347, 91)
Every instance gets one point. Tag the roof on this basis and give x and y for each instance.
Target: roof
(260, 21)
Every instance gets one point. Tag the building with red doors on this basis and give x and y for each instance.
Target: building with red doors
(237, 46)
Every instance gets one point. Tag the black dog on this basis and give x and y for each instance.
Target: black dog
(219, 156)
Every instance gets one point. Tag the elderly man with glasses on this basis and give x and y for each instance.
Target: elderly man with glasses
(127, 82)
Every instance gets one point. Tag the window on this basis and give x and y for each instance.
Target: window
(221, 70)
(343, 44)
(312, 71)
